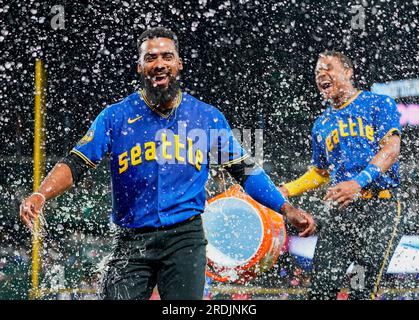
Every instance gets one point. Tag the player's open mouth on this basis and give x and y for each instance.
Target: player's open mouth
(326, 87)
(160, 80)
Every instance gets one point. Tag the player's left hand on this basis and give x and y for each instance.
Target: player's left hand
(343, 193)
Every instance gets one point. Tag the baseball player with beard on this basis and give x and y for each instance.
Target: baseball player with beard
(158, 141)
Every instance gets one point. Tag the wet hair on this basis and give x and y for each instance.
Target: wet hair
(157, 32)
(346, 62)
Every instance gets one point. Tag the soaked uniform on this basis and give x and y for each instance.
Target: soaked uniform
(366, 232)
(159, 166)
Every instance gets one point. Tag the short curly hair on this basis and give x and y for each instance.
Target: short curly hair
(157, 32)
(346, 62)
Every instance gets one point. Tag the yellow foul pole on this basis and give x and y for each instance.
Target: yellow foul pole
(38, 170)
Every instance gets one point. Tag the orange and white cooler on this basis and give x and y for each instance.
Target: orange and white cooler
(245, 238)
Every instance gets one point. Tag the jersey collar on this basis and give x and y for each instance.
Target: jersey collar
(166, 116)
(348, 102)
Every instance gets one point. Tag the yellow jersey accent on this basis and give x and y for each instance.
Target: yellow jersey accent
(383, 194)
(123, 162)
(234, 161)
(86, 138)
(130, 121)
(387, 135)
(308, 181)
(150, 150)
(170, 151)
(349, 101)
(89, 162)
(349, 128)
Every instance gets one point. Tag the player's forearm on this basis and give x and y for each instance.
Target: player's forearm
(382, 161)
(257, 184)
(261, 188)
(312, 179)
(58, 181)
(388, 154)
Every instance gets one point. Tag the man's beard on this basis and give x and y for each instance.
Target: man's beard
(161, 96)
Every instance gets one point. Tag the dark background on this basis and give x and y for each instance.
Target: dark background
(252, 59)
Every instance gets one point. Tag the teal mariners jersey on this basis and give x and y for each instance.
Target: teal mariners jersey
(346, 139)
(159, 163)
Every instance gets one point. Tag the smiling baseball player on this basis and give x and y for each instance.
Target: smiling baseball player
(158, 141)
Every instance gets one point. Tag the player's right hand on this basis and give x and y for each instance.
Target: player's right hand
(30, 208)
(300, 219)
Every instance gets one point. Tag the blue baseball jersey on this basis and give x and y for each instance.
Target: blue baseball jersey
(346, 139)
(159, 163)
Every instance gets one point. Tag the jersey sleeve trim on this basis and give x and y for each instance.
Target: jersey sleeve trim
(388, 134)
(89, 162)
(316, 167)
(234, 161)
